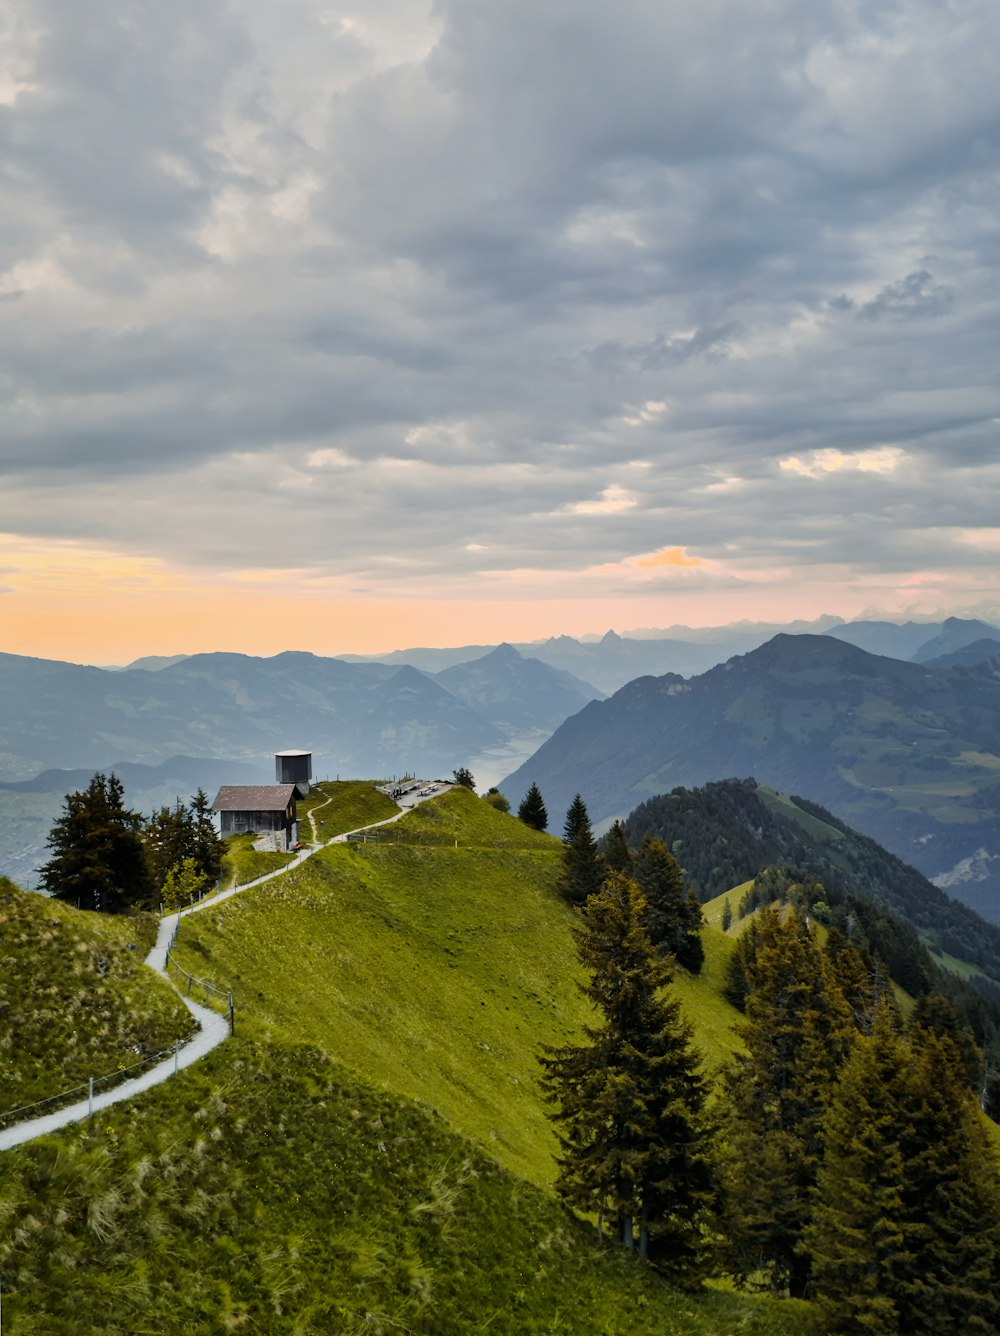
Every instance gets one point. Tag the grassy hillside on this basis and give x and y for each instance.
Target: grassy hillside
(431, 970)
(242, 863)
(341, 805)
(267, 1191)
(371, 1153)
(75, 998)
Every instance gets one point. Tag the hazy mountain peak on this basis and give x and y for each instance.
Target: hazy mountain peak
(504, 653)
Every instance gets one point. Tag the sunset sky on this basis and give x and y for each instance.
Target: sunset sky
(346, 328)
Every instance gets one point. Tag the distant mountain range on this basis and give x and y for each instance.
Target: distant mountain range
(361, 719)
(234, 712)
(489, 707)
(613, 660)
(907, 753)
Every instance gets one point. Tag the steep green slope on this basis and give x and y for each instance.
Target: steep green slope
(75, 998)
(288, 1184)
(435, 971)
(266, 1190)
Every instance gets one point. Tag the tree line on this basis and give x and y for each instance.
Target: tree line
(841, 1155)
(108, 858)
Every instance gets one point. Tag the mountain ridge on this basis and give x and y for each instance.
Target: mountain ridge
(879, 742)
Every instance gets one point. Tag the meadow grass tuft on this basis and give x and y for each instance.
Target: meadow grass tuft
(75, 998)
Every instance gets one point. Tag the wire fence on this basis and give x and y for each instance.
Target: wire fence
(195, 988)
(199, 989)
(87, 1089)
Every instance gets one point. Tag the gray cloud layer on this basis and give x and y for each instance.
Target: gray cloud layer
(508, 284)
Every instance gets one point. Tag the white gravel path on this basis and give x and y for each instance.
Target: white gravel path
(214, 1027)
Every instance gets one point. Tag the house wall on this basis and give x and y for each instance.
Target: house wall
(242, 823)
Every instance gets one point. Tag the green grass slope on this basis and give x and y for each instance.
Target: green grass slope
(75, 998)
(436, 963)
(371, 1153)
(267, 1191)
(341, 805)
(431, 970)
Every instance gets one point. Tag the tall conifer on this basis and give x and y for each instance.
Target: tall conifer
(98, 860)
(617, 854)
(583, 867)
(532, 810)
(906, 1229)
(629, 1104)
(673, 914)
(797, 1034)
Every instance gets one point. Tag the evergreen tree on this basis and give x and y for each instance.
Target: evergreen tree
(727, 915)
(173, 834)
(906, 1229)
(865, 989)
(797, 1034)
(934, 1014)
(674, 915)
(496, 799)
(532, 810)
(183, 883)
(207, 847)
(463, 777)
(629, 1105)
(166, 836)
(617, 854)
(583, 867)
(856, 1237)
(98, 860)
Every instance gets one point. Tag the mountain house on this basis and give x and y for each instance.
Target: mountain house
(262, 809)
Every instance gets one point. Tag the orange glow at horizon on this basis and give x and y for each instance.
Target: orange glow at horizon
(82, 603)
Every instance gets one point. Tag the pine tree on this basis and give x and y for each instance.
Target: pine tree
(674, 915)
(463, 777)
(934, 1014)
(856, 1236)
(207, 847)
(797, 1034)
(952, 1202)
(98, 860)
(864, 989)
(173, 834)
(629, 1105)
(906, 1228)
(166, 837)
(583, 867)
(617, 854)
(532, 810)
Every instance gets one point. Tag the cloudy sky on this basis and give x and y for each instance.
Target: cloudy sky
(343, 328)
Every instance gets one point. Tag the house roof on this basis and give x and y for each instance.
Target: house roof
(254, 797)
